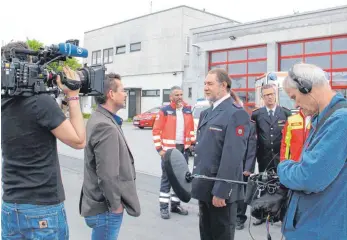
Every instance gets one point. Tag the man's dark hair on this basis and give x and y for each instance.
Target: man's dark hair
(6, 50)
(109, 84)
(222, 76)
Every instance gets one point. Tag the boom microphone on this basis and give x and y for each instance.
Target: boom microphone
(70, 50)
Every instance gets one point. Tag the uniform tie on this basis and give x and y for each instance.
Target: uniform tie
(271, 115)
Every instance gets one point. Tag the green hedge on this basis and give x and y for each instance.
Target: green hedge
(86, 115)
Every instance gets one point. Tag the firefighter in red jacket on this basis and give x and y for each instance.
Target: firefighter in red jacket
(173, 128)
(294, 134)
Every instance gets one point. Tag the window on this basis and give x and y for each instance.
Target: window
(329, 53)
(166, 95)
(135, 47)
(108, 55)
(120, 49)
(190, 92)
(243, 65)
(96, 57)
(151, 93)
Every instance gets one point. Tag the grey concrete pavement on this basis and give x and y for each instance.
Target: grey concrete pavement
(149, 225)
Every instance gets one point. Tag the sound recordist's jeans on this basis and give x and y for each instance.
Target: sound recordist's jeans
(27, 221)
(105, 226)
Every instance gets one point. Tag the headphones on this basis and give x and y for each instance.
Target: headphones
(304, 86)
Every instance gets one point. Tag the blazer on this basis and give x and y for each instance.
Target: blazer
(269, 134)
(109, 172)
(221, 145)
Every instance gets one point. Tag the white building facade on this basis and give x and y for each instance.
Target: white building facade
(151, 53)
(249, 50)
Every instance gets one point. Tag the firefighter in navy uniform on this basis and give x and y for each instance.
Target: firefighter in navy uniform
(270, 121)
(221, 146)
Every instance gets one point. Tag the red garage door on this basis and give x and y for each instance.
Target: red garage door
(243, 66)
(329, 53)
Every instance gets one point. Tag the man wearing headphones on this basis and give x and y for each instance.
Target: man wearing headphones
(317, 207)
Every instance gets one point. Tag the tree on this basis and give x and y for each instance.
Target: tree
(55, 66)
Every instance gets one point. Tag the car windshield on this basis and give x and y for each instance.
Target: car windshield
(198, 109)
(153, 110)
(285, 100)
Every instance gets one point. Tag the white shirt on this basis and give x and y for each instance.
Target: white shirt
(216, 103)
(179, 126)
(273, 110)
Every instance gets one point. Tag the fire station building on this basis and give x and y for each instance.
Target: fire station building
(180, 45)
(249, 50)
(149, 52)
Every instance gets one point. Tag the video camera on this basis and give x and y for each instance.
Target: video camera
(26, 72)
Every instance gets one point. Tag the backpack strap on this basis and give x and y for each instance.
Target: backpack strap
(327, 115)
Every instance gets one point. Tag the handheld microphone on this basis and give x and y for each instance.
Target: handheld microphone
(70, 50)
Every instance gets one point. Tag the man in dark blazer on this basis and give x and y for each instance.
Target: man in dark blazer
(221, 145)
(109, 173)
(270, 121)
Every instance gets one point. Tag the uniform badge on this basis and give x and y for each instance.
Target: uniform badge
(216, 129)
(240, 130)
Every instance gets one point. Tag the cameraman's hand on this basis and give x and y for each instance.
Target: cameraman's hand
(72, 75)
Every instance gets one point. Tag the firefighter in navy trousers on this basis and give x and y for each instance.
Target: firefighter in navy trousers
(221, 146)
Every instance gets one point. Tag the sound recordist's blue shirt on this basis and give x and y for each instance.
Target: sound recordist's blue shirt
(318, 208)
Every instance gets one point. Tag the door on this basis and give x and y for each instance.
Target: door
(166, 95)
(132, 103)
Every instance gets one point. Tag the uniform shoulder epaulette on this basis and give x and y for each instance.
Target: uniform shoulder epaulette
(237, 105)
(255, 109)
(285, 108)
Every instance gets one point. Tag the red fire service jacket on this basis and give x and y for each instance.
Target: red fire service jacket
(164, 128)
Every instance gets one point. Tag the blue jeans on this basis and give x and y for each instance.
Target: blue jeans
(105, 226)
(27, 221)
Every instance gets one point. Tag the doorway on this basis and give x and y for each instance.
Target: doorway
(134, 107)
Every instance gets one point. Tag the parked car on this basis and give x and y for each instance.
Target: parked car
(146, 119)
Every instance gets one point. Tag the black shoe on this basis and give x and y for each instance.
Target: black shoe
(258, 222)
(239, 226)
(164, 213)
(179, 210)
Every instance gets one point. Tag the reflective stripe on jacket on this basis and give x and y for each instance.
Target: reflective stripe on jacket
(293, 137)
(164, 128)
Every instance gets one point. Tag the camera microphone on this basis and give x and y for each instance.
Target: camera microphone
(70, 50)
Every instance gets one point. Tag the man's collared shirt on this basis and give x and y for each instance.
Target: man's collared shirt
(273, 110)
(179, 126)
(117, 118)
(216, 103)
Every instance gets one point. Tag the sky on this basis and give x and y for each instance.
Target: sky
(69, 19)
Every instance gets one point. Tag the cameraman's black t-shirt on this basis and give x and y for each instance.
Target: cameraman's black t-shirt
(30, 166)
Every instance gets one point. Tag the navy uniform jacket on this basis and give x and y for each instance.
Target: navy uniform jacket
(221, 146)
(269, 135)
(249, 161)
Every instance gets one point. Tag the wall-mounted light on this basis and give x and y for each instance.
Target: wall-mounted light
(232, 38)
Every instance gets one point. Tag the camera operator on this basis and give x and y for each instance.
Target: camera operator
(33, 193)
